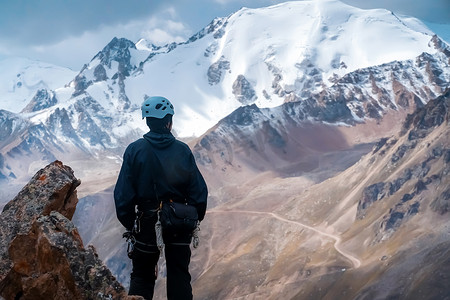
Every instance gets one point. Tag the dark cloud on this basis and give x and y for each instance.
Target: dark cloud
(47, 21)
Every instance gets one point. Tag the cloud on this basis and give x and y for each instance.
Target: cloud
(75, 50)
(160, 29)
(47, 21)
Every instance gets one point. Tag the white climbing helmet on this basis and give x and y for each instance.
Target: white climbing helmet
(156, 107)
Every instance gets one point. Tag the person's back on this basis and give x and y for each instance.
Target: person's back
(157, 168)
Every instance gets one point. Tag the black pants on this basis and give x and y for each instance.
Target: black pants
(178, 258)
(143, 274)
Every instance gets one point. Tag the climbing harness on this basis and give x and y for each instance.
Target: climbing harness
(137, 222)
(159, 238)
(195, 238)
(131, 241)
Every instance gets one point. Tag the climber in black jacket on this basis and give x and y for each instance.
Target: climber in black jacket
(158, 167)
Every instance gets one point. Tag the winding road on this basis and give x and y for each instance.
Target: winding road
(337, 245)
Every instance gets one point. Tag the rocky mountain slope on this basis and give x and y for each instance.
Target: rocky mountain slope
(378, 230)
(42, 254)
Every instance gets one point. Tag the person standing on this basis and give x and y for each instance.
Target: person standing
(156, 168)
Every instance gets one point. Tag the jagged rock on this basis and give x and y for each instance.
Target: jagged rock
(371, 194)
(380, 190)
(215, 26)
(60, 121)
(425, 119)
(243, 116)
(117, 50)
(396, 216)
(215, 71)
(402, 150)
(43, 99)
(81, 84)
(277, 88)
(100, 73)
(87, 107)
(41, 253)
(379, 145)
(243, 90)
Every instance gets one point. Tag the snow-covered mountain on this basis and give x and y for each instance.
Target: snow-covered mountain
(22, 78)
(256, 56)
(310, 60)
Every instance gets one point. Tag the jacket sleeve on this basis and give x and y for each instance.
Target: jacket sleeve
(197, 190)
(124, 193)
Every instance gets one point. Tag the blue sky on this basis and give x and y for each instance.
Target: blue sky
(69, 33)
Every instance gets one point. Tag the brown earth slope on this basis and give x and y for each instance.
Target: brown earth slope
(378, 230)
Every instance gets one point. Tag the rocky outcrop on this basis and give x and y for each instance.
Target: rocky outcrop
(216, 26)
(80, 84)
(370, 92)
(100, 73)
(417, 186)
(41, 253)
(216, 70)
(424, 120)
(243, 90)
(117, 50)
(42, 100)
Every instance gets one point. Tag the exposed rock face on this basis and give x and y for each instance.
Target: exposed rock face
(424, 120)
(43, 99)
(81, 84)
(409, 189)
(217, 26)
(216, 70)
(118, 50)
(364, 90)
(100, 73)
(41, 253)
(243, 90)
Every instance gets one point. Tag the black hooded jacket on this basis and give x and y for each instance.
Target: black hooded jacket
(177, 177)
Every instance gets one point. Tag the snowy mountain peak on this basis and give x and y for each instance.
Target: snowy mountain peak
(116, 50)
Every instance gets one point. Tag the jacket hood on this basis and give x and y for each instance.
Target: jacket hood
(159, 140)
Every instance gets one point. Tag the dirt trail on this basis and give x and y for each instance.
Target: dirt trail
(337, 245)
